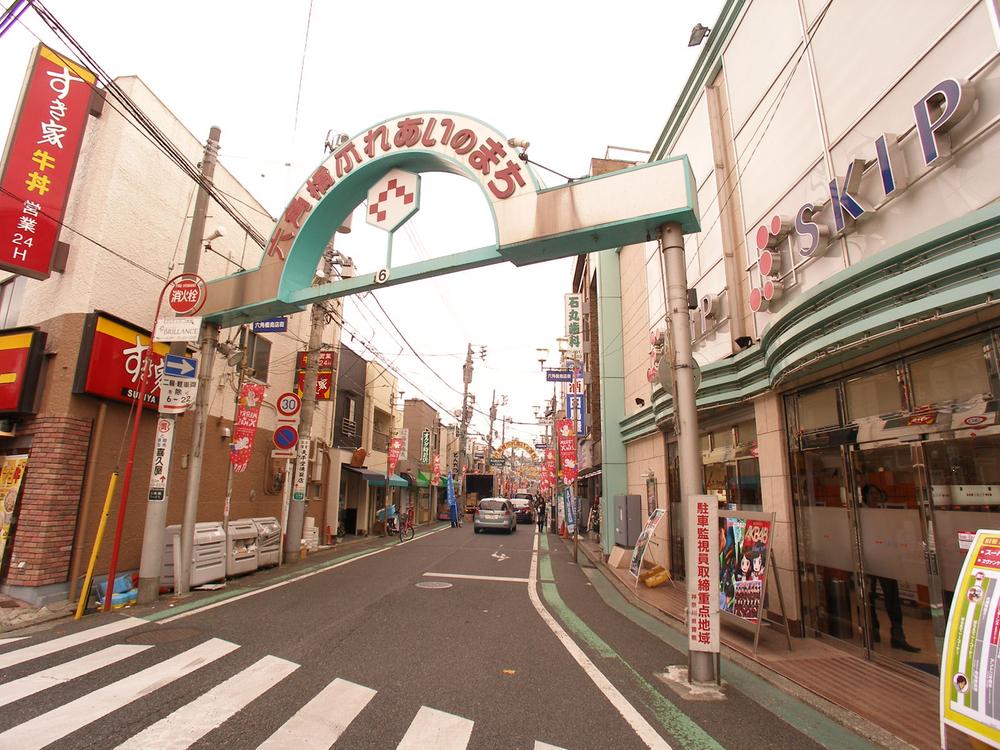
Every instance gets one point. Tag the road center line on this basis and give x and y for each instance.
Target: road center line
(253, 592)
(476, 578)
(642, 728)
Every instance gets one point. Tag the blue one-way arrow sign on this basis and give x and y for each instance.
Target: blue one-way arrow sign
(180, 367)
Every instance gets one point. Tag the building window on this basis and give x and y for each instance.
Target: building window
(950, 375)
(258, 356)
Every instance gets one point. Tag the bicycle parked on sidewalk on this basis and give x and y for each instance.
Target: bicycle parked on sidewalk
(403, 525)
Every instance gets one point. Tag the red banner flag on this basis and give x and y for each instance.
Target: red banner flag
(436, 477)
(395, 449)
(566, 434)
(245, 426)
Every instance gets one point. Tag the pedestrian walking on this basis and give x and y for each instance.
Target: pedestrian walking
(540, 512)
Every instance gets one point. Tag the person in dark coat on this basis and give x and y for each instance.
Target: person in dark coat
(540, 514)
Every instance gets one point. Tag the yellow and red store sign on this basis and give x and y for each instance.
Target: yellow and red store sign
(39, 165)
(21, 352)
(324, 377)
(108, 366)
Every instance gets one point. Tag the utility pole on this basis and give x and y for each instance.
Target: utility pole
(151, 562)
(297, 506)
(701, 664)
(463, 432)
(240, 378)
(493, 417)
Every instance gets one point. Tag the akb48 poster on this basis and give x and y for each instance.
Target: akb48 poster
(743, 550)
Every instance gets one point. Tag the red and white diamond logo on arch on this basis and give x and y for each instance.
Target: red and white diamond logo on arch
(393, 199)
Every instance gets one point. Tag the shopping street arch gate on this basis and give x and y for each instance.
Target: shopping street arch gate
(532, 223)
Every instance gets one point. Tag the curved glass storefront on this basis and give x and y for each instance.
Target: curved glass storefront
(893, 470)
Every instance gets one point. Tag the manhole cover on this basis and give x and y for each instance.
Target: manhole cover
(433, 585)
(159, 636)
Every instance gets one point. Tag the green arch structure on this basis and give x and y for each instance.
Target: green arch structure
(533, 225)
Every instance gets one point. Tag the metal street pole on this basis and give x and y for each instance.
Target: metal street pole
(464, 424)
(206, 363)
(701, 664)
(151, 562)
(297, 505)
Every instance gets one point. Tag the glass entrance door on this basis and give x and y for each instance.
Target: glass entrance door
(893, 539)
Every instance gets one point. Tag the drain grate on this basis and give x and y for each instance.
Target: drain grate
(433, 585)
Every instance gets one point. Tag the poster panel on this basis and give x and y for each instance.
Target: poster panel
(11, 477)
(643, 541)
(744, 547)
(970, 693)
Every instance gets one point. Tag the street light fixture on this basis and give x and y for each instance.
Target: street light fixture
(698, 34)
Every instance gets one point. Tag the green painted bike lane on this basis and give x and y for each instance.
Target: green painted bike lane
(691, 736)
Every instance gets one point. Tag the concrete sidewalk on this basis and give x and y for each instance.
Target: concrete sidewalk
(901, 705)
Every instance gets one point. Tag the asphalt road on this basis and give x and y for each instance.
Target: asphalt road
(361, 651)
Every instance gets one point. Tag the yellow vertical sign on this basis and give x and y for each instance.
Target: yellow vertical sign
(970, 685)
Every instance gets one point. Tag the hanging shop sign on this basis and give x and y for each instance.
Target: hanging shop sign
(703, 583)
(21, 353)
(11, 478)
(566, 434)
(177, 329)
(575, 412)
(109, 361)
(559, 376)
(245, 425)
(639, 552)
(934, 114)
(743, 564)
(324, 376)
(40, 161)
(969, 657)
(573, 309)
(425, 447)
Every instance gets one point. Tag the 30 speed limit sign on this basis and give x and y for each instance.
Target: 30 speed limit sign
(289, 404)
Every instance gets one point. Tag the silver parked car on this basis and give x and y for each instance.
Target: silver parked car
(494, 513)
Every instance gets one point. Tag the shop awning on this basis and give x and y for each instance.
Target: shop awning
(394, 481)
(423, 480)
(367, 474)
(589, 474)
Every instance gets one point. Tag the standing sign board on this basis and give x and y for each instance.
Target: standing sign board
(40, 161)
(11, 478)
(635, 566)
(703, 581)
(245, 426)
(970, 699)
(743, 563)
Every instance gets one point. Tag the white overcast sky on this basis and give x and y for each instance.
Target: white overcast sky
(571, 78)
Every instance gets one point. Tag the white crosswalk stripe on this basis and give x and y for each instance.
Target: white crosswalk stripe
(59, 722)
(190, 723)
(5, 641)
(436, 729)
(318, 725)
(10, 658)
(322, 720)
(34, 683)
